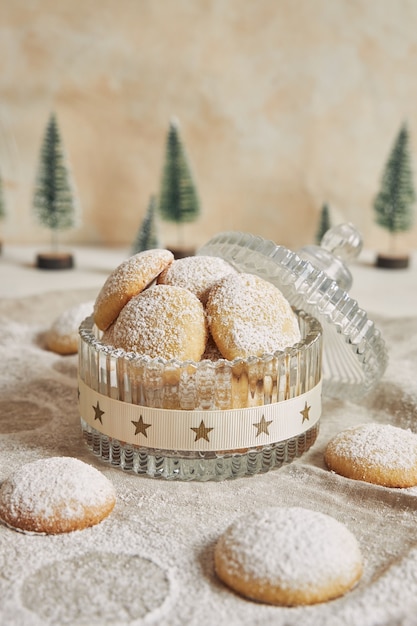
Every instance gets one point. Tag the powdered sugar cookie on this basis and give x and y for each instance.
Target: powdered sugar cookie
(249, 316)
(126, 281)
(196, 273)
(62, 337)
(163, 321)
(55, 495)
(288, 556)
(375, 453)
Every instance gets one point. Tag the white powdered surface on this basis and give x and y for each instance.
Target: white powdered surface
(151, 560)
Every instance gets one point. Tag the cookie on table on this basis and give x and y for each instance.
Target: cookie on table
(128, 279)
(163, 321)
(62, 336)
(288, 556)
(249, 316)
(196, 273)
(375, 453)
(55, 495)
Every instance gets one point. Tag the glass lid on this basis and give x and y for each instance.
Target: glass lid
(354, 352)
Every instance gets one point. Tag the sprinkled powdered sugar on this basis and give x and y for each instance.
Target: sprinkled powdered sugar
(163, 321)
(62, 336)
(123, 275)
(53, 489)
(140, 267)
(294, 548)
(197, 274)
(378, 444)
(69, 321)
(249, 316)
(126, 281)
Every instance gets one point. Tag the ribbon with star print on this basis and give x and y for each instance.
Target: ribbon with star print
(167, 429)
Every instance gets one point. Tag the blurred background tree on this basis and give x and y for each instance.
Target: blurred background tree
(394, 204)
(147, 236)
(54, 200)
(178, 199)
(324, 223)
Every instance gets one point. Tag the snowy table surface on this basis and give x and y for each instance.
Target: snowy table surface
(151, 560)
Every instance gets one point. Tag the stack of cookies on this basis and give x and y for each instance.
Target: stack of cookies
(192, 308)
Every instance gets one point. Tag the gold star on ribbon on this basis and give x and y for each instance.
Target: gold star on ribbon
(201, 432)
(263, 426)
(305, 412)
(98, 412)
(140, 427)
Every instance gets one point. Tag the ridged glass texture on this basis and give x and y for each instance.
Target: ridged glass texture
(206, 385)
(354, 353)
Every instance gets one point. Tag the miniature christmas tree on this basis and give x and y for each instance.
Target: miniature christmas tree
(394, 204)
(54, 201)
(178, 200)
(324, 223)
(147, 236)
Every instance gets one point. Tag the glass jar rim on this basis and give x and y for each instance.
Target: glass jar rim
(91, 335)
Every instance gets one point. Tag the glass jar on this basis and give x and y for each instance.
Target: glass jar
(207, 420)
(213, 420)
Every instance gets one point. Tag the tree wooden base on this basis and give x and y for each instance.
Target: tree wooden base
(180, 253)
(55, 261)
(392, 262)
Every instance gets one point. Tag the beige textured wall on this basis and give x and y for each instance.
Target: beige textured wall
(283, 104)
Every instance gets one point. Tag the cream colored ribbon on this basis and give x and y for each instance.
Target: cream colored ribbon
(167, 429)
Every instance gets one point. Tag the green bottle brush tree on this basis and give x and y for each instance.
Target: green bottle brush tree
(324, 223)
(147, 237)
(54, 200)
(178, 199)
(394, 204)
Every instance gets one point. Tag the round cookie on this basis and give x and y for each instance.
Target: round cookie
(163, 321)
(62, 337)
(196, 273)
(375, 453)
(288, 556)
(55, 495)
(127, 280)
(249, 316)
